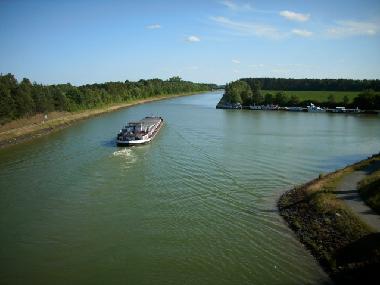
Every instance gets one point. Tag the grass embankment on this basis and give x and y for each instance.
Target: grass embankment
(319, 96)
(26, 129)
(346, 247)
(369, 189)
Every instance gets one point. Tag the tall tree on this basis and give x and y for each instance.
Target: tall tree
(346, 101)
(331, 100)
(238, 92)
(290, 84)
(23, 99)
(294, 100)
(257, 97)
(6, 104)
(366, 100)
(280, 98)
(268, 98)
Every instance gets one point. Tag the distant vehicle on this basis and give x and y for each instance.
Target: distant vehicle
(315, 109)
(140, 132)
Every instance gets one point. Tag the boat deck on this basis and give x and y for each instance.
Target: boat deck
(146, 122)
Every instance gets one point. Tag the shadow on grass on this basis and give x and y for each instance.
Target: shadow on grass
(360, 250)
(370, 194)
(344, 192)
(349, 197)
(362, 257)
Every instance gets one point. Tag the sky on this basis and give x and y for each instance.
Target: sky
(215, 41)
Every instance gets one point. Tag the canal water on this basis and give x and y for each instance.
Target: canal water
(196, 206)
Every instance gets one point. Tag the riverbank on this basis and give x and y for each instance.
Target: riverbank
(27, 129)
(346, 247)
(369, 190)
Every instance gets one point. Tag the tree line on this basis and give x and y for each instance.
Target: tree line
(24, 98)
(290, 84)
(251, 94)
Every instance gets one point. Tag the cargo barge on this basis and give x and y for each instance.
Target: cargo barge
(139, 132)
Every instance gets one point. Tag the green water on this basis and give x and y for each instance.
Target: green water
(197, 206)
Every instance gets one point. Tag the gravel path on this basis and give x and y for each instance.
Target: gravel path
(347, 191)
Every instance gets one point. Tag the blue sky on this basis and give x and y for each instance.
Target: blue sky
(205, 41)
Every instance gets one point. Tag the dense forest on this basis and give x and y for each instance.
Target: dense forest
(286, 84)
(250, 93)
(19, 99)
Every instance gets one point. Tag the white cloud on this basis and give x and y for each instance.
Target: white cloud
(248, 28)
(235, 71)
(236, 61)
(352, 28)
(154, 27)
(293, 16)
(232, 5)
(193, 39)
(302, 33)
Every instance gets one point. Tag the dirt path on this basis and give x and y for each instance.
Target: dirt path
(348, 192)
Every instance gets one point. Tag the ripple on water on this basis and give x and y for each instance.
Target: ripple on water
(198, 203)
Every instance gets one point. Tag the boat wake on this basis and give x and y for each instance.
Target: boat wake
(127, 155)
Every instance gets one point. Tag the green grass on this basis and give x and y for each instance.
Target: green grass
(346, 247)
(369, 189)
(318, 96)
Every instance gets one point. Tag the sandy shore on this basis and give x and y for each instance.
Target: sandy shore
(26, 129)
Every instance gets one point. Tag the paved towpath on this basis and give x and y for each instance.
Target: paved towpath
(348, 192)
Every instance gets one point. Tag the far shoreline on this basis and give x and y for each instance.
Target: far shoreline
(32, 130)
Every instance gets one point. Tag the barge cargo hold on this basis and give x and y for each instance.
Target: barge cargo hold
(140, 132)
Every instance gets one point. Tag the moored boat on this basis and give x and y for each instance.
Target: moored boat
(294, 109)
(255, 107)
(339, 110)
(315, 109)
(264, 107)
(270, 107)
(140, 132)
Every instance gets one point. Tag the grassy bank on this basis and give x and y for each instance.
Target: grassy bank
(319, 96)
(369, 189)
(26, 129)
(346, 247)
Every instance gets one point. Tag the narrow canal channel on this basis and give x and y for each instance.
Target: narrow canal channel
(196, 206)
